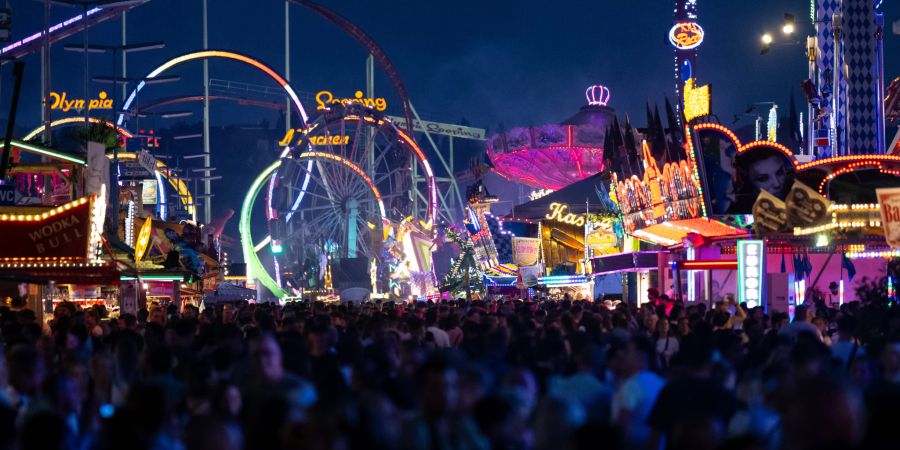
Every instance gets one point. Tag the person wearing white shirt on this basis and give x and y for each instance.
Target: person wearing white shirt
(441, 338)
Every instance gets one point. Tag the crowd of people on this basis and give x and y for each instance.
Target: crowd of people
(466, 375)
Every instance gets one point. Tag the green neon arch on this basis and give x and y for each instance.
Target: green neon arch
(255, 268)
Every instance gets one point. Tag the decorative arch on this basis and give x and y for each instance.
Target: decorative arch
(742, 148)
(76, 120)
(224, 54)
(770, 144)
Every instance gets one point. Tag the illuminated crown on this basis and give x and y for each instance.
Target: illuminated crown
(597, 95)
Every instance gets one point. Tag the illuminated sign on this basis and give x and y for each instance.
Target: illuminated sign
(325, 98)
(686, 35)
(526, 251)
(597, 95)
(751, 272)
(59, 234)
(313, 140)
(63, 103)
(558, 213)
(696, 100)
(534, 195)
(143, 240)
(329, 140)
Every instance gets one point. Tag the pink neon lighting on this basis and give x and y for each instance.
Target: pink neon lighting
(549, 156)
(52, 29)
(597, 95)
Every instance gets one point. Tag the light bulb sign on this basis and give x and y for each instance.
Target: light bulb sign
(751, 272)
(686, 35)
(696, 100)
(558, 213)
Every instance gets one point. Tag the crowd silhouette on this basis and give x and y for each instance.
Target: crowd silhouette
(467, 375)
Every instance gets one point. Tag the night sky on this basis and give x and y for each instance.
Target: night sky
(514, 63)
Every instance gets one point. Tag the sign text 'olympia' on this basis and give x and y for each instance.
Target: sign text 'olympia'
(61, 102)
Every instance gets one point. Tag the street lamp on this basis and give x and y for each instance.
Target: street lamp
(788, 27)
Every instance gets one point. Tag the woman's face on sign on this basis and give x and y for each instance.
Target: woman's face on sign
(768, 174)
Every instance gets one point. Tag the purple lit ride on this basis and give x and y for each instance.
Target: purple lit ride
(553, 156)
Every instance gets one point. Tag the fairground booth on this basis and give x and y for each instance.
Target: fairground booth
(815, 226)
(74, 235)
(754, 219)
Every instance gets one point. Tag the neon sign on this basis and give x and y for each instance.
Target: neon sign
(534, 195)
(751, 271)
(313, 140)
(325, 98)
(61, 102)
(558, 213)
(686, 35)
(696, 100)
(597, 95)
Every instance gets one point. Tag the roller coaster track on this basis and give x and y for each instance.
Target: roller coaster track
(62, 30)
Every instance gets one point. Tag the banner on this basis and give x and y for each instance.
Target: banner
(149, 192)
(147, 161)
(209, 281)
(531, 274)
(769, 214)
(525, 251)
(445, 129)
(805, 206)
(889, 199)
(63, 232)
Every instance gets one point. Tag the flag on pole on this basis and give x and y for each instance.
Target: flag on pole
(847, 265)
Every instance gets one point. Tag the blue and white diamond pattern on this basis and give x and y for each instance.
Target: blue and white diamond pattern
(860, 59)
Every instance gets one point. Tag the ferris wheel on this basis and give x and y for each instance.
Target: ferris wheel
(343, 186)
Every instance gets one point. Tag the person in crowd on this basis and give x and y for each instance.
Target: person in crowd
(638, 387)
(666, 343)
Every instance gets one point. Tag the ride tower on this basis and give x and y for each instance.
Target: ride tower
(685, 36)
(850, 77)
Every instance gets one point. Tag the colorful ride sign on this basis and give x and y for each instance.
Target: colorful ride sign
(62, 233)
(686, 35)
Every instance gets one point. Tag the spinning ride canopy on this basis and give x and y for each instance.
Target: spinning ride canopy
(552, 156)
